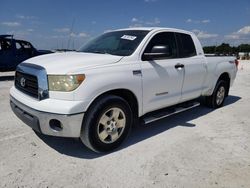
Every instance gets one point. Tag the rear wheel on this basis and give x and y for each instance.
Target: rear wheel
(217, 99)
(106, 124)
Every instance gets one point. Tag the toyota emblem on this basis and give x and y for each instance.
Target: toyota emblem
(22, 81)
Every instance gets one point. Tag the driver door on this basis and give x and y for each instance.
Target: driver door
(162, 79)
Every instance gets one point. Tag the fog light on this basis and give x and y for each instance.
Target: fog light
(56, 125)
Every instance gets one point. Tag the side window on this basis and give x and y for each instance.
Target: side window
(185, 45)
(5, 45)
(18, 46)
(26, 45)
(167, 39)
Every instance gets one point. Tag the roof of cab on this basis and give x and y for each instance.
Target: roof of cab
(6, 36)
(155, 29)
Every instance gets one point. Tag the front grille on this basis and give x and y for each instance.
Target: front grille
(27, 83)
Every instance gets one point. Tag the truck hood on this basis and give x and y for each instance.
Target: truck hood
(68, 62)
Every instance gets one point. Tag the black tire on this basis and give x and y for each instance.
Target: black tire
(91, 123)
(212, 101)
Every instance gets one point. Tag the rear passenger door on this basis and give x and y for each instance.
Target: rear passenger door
(194, 67)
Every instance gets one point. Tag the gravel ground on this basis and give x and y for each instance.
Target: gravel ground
(197, 148)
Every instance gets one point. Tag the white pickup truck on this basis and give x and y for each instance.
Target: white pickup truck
(100, 91)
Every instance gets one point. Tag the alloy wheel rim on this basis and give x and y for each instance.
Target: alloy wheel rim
(111, 125)
(220, 95)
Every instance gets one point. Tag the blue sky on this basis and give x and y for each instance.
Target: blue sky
(56, 24)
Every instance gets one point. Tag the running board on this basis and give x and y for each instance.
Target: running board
(160, 114)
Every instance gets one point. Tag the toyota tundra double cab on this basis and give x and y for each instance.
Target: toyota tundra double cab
(98, 93)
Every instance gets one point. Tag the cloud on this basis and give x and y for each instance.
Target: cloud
(20, 33)
(62, 30)
(136, 22)
(72, 34)
(11, 24)
(30, 30)
(240, 35)
(204, 35)
(107, 30)
(156, 21)
(205, 21)
(136, 25)
(23, 17)
(232, 36)
(244, 31)
(57, 36)
(80, 35)
(198, 21)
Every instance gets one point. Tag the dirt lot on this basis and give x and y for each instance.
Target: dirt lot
(197, 148)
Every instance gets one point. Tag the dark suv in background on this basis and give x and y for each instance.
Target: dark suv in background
(13, 52)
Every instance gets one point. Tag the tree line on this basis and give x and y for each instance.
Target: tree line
(226, 49)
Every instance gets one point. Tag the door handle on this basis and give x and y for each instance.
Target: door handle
(179, 65)
(137, 72)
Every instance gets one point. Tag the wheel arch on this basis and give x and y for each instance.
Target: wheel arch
(126, 94)
(226, 77)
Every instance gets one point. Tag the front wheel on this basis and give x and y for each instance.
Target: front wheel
(106, 124)
(217, 99)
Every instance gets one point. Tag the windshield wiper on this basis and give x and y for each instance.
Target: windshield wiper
(96, 52)
(99, 52)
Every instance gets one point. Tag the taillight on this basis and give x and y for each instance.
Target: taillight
(236, 62)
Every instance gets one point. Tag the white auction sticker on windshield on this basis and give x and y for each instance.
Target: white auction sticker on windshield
(128, 37)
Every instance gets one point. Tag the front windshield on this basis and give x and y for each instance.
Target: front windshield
(121, 43)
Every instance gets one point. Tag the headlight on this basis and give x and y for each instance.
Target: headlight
(65, 82)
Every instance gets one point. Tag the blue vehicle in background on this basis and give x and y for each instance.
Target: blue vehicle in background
(13, 52)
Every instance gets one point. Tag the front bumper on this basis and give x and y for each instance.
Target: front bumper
(46, 122)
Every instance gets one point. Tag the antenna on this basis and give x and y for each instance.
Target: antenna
(71, 30)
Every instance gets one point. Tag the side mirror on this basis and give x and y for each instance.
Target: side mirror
(157, 52)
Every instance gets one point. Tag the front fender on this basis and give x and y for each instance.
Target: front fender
(102, 80)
